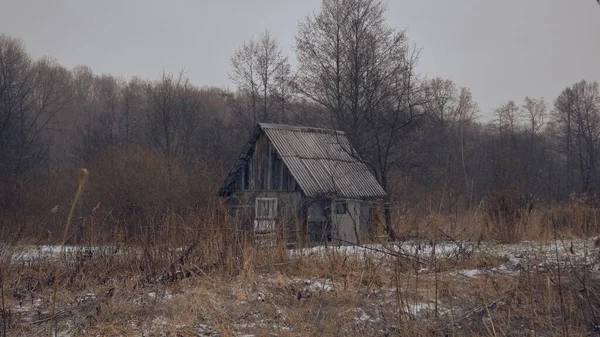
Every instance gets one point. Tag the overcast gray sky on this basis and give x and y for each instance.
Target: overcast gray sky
(503, 50)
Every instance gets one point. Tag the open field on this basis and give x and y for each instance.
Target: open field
(418, 287)
(133, 201)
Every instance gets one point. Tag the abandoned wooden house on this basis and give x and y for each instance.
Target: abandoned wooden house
(301, 184)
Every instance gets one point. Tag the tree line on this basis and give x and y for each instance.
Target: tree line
(423, 138)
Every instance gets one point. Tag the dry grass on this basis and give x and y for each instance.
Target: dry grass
(503, 222)
(268, 292)
(193, 272)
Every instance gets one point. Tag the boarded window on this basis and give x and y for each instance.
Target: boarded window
(266, 208)
(264, 222)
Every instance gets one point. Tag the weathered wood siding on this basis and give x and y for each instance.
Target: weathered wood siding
(264, 170)
(264, 175)
(298, 219)
(352, 226)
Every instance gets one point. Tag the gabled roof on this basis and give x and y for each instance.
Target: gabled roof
(320, 160)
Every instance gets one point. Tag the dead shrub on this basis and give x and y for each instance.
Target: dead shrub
(137, 179)
(39, 207)
(578, 219)
(135, 188)
(507, 212)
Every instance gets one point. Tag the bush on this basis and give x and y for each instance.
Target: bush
(578, 219)
(133, 188)
(507, 212)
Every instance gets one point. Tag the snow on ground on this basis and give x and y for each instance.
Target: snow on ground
(33, 253)
(29, 253)
(412, 248)
(417, 308)
(469, 272)
(508, 259)
(514, 257)
(513, 254)
(318, 286)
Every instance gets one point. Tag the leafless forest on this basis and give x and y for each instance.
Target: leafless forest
(512, 197)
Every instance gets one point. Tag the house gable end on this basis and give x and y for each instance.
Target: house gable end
(319, 162)
(259, 168)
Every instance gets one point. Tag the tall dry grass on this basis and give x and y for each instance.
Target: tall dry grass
(138, 253)
(83, 173)
(503, 221)
(202, 270)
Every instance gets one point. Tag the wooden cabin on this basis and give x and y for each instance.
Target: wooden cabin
(301, 184)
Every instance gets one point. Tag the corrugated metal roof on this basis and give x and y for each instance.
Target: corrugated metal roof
(321, 162)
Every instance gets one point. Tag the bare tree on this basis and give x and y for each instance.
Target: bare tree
(130, 121)
(86, 113)
(49, 95)
(577, 115)
(107, 111)
(109, 91)
(31, 95)
(534, 112)
(442, 96)
(261, 73)
(180, 118)
(163, 114)
(272, 69)
(451, 112)
(361, 73)
(282, 92)
(245, 74)
(508, 118)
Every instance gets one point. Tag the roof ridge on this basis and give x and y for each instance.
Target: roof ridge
(299, 128)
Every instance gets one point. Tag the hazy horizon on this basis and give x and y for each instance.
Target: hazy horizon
(501, 50)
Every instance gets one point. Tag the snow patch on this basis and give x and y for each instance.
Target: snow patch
(470, 273)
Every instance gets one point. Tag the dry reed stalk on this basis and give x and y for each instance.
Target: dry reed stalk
(3, 304)
(80, 184)
(560, 291)
(435, 267)
(487, 309)
(531, 300)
